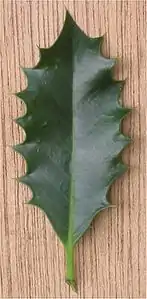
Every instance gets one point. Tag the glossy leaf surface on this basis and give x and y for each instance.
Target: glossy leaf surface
(73, 137)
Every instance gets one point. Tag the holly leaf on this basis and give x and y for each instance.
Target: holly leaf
(73, 139)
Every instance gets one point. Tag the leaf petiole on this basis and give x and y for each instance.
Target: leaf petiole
(70, 276)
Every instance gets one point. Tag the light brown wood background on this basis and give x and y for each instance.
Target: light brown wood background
(110, 258)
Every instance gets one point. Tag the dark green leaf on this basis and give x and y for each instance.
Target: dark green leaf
(73, 139)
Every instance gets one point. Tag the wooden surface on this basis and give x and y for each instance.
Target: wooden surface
(110, 258)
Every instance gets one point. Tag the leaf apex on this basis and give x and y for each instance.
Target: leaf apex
(68, 16)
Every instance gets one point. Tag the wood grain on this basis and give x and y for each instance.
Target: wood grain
(110, 258)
